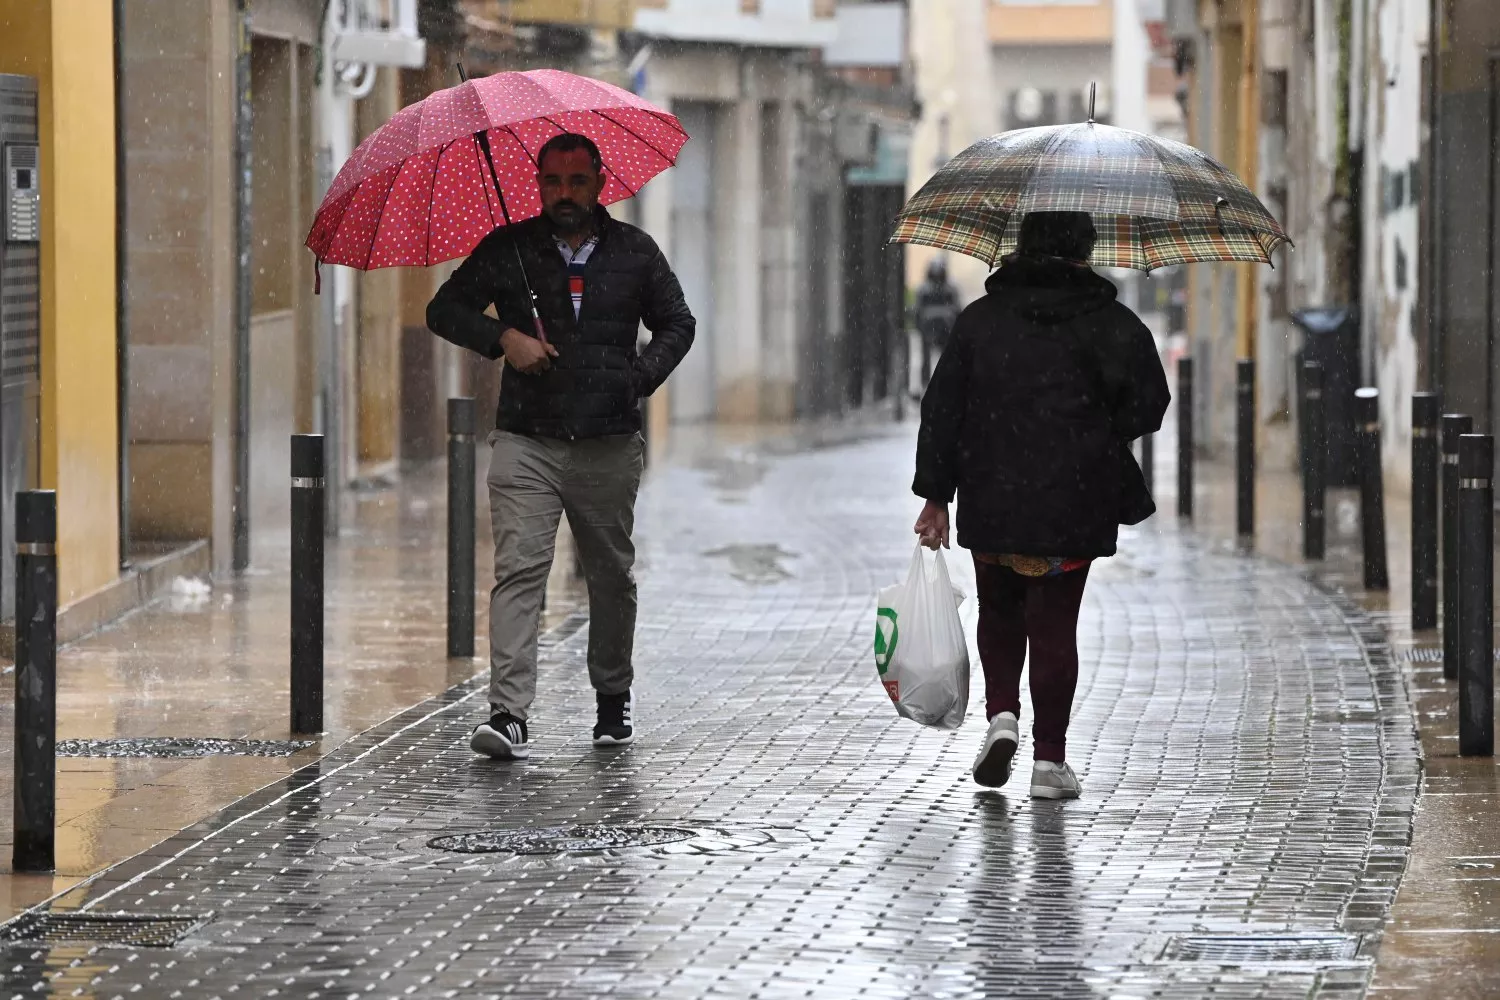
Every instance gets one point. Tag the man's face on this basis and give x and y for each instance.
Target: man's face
(570, 188)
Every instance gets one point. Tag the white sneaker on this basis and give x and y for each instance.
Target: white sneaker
(1054, 781)
(992, 766)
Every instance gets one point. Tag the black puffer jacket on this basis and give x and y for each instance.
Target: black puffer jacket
(1030, 412)
(598, 375)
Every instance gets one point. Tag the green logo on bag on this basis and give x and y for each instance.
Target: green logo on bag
(887, 633)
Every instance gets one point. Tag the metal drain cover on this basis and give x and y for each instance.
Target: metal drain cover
(176, 746)
(568, 840)
(1260, 949)
(131, 930)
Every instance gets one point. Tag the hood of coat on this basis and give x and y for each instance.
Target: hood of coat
(1049, 291)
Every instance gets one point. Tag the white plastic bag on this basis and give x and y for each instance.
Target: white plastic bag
(920, 650)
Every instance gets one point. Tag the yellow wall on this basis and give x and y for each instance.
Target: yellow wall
(68, 45)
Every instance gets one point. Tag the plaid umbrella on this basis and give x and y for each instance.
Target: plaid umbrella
(1155, 202)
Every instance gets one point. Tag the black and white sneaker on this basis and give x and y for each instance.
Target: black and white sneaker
(614, 726)
(504, 737)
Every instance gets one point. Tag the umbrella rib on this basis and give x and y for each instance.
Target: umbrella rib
(522, 144)
(666, 120)
(479, 162)
(380, 219)
(432, 194)
(639, 138)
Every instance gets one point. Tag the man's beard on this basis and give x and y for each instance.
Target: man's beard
(569, 216)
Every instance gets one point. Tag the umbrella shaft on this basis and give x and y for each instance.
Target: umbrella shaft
(536, 318)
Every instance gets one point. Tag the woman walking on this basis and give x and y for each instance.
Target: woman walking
(1028, 420)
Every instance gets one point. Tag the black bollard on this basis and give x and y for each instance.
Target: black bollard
(1371, 488)
(1476, 596)
(35, 793)
(1244, 447)
(461, 420)
(1455, 426)
(1424, 511)
(307, 583)
(1314, 426)
(1185, 438)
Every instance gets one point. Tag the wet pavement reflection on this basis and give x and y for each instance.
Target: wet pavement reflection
(1245, 746)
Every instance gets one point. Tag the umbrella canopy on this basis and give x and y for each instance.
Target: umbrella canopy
(419, 190)
(1155, 202)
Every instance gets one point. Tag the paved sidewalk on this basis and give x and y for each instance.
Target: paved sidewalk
(1443, 938)
(1244, 740)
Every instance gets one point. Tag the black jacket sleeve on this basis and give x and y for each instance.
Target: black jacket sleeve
(1134, 380)
(456, 312)
(943, 408)
(671, 323)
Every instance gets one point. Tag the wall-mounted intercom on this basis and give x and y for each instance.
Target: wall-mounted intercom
(23, 197)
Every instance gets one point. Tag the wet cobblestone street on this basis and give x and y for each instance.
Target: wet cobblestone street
(1245, 745)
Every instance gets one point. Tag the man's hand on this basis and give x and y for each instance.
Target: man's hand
(932, 526)
(526, 354)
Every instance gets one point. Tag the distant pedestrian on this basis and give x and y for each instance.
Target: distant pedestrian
(1028, 420)
(935, 312)
(567, 437)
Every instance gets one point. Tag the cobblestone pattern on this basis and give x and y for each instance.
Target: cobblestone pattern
(1246, 751)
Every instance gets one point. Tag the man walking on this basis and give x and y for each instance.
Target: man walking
(567, 435)
(936, 311)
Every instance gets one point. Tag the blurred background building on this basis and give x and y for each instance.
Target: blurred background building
(1376, 148)
(161, 339)
(168, 340)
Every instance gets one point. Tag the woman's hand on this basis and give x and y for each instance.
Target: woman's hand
(932, 526)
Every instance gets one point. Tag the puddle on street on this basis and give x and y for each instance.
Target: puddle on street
(755, 563)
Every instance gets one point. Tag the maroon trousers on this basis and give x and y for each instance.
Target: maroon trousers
(1015, 611)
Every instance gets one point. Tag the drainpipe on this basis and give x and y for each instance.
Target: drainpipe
(335, 111)
(1434, 226)
(122, 316)
(1249, 147)
(242, 290)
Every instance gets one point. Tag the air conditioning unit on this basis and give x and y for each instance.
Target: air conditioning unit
(855, 137)
(379, 33)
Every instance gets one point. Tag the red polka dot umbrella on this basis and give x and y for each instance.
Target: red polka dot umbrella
(438, 177)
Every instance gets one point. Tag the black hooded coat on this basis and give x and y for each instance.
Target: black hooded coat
(1029, 416)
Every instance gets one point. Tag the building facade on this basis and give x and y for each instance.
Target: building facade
(1375, 147)
(174, 341)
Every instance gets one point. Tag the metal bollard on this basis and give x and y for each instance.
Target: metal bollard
(1424, 511)
(1371, 488)
(1476, 596)
(461, 422)
(35, 793)
(1455, 426)
(307, 583)
(1314, 425)
(1185, 438)
(1245, 448)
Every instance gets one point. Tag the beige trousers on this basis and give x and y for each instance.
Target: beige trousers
(533, 481)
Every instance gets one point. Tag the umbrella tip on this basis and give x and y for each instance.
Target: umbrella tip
(463, 76)
(1093, 90)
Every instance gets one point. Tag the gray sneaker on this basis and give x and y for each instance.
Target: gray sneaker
(992, 766)
(1054, 781)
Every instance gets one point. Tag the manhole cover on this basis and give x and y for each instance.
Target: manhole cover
(570, 840)
(1258, 949)
(174, 746)
(132, 930)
